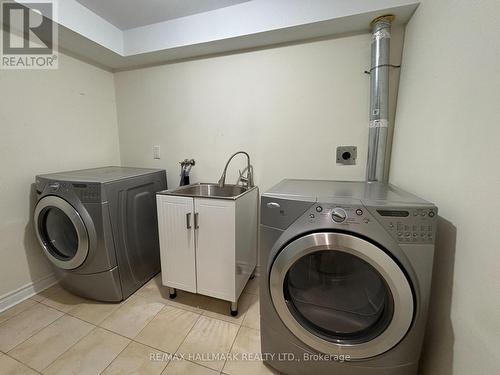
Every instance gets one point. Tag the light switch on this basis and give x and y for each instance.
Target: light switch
(156, 152)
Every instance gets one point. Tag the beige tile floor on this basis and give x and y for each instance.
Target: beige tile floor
(56, 332)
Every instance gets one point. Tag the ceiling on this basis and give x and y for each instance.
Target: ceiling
(116, 35)
(129, 14)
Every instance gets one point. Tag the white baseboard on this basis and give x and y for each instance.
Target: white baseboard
(13, 298)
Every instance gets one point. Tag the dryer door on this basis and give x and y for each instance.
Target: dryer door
(61, 232)
(340, 294)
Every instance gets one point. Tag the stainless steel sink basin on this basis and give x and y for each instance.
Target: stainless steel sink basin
(209, 190)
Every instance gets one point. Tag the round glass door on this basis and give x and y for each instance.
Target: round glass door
(341, 295)
(61, 232)
(338, 296)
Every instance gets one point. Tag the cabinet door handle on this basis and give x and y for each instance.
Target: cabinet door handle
(188, 220)
(196, 224)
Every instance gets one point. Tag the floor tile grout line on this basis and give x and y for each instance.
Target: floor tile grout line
(199, 311)
(256, 299)
(37, 332)
(58, 309)
(49, 294)
(109, 364)
(128, 338)
(112, 332)
(20, 312)
(24, 364)
(187, 334)
(152, 347)
(143, 328)
(87, 321)
(138, 342)
(182, 342)
(199, 364)
(196, 310)
(231, 348)
(161, 350)
(200, 314)
(241, 315)
(185, 337)
(125, 302)
(64, 314)
(67, 349)
(115, 333)
(149, 346)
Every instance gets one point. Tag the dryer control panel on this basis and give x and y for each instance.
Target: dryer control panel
(416, 225)
(409, 225)
(340, 213)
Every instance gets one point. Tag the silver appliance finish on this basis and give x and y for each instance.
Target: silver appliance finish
(379, 98)
(347, 272)
(98, 228)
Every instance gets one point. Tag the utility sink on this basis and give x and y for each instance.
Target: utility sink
(209, 190)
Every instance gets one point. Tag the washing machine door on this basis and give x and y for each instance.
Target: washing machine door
(341, 294)
(61, 232)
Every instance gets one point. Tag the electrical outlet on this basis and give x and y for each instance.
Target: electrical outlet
(156, 152)
(347, 155)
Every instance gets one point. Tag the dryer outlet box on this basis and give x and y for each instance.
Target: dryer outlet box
(347, 155)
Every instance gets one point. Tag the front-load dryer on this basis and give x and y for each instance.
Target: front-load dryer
(347, 274)
(98, 228)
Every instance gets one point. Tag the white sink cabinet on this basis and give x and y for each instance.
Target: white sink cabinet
(208, 245)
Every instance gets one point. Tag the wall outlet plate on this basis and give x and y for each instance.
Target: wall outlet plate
(347, 155)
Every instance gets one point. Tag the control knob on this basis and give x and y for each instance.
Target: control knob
(54, 186)
(339, 215)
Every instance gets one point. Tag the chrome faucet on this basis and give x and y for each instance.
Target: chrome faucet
(248, 180)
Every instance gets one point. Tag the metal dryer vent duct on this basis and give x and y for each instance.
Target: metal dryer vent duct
(379, 98)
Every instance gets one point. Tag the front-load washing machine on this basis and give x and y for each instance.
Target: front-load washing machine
(98, 228)
(347, 274)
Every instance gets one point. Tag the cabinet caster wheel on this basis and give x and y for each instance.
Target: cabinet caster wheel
(234, 312)
(172, 293)
(252, 276)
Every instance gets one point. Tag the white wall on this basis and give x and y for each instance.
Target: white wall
(446, 149)
(289, 107)
(49, 121)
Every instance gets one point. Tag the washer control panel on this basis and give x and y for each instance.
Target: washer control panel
(88, 193)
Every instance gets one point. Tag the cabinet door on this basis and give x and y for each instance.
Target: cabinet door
(177, 246)
(215, 248)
